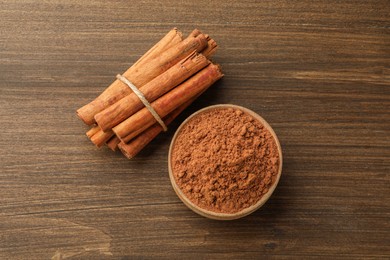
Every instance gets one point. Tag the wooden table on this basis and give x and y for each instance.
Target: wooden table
(317, 71)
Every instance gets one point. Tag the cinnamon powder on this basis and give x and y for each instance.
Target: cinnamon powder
(224, 160)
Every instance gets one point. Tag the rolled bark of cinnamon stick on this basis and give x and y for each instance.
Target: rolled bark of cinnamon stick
(211, 47)
(113, 143)
(100, 137)
(132, 148)
(143, 119)
(140, 75)
(92, 131)
(127, 106)
(172, 38)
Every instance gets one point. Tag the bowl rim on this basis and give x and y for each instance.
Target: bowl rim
(218, 215)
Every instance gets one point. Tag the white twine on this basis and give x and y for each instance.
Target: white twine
(143, 100)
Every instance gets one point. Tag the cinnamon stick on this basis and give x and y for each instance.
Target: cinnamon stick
(211, 47)
(127, 106)
(100, 137)
(143, 119)
(132, 148)
(140, 75)
(172, 38)
(195, 33)
(92, 131)
(113, 143)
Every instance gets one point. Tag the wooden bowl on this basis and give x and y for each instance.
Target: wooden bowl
(217, 215)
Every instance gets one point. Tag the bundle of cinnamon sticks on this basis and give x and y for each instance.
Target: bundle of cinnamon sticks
(171, 75)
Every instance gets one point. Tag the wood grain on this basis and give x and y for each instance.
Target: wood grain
(317, 71)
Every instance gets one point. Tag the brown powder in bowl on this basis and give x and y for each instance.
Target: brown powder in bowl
(224, 160)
